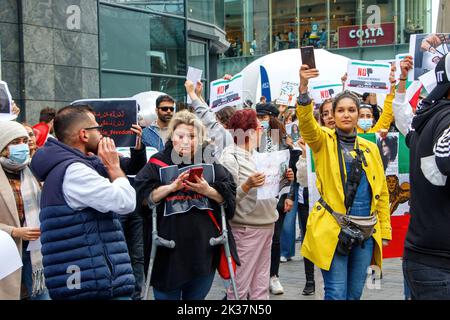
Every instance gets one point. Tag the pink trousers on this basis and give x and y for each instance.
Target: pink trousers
(253, 275)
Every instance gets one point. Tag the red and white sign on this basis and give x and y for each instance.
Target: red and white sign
(354, 36)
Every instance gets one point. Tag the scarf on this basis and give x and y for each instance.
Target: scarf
(347, 141)
(31, 195)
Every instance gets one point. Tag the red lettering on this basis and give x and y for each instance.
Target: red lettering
(325, 94)
(362, 72)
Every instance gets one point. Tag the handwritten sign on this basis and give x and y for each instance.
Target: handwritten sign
(274, 166)
(116, 116)
(5, 103)
(367, 76)
(288, 93)
(226, 93)
(324, 90)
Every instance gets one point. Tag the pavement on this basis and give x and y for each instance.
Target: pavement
(292, 278)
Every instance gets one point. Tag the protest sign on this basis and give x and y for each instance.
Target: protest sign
(288, 93)
(397, 178)
(324, 90)
(9, 255)
(293, 131)
(194, 75)
(274, 166)
(225, 93)
(427, 50)
(367, 76)
(116, 116)
(6, 113)
(183, 200)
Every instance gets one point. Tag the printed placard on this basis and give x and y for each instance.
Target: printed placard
(367, 76)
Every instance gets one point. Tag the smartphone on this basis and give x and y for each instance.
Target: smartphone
(308, 56)
(195, 172)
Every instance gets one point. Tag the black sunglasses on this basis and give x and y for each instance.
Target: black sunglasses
(165, 109)
(99, 128)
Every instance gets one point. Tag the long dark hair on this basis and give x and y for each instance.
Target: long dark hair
(275, 124)
(391, 143)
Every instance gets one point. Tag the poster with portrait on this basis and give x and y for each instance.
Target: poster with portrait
(274, 165)
(293, 131)
(388, 148)
(116, 116)
(427, 50)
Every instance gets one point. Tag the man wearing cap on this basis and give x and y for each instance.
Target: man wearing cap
(426, 261)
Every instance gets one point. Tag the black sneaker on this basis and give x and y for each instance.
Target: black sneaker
(310, 288)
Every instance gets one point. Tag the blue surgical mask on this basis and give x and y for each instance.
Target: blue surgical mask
(265, 124)
(365, 124)
(19, 153)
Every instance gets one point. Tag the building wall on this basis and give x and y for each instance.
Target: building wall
(51, 58)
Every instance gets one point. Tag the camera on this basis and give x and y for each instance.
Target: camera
(349, 237)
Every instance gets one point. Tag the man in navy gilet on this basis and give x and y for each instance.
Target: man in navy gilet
(85, 255)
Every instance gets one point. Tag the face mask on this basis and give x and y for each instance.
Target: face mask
(365, 124)
(19, 153)
(265, 124)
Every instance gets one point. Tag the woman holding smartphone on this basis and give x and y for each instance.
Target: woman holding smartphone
(187, 271)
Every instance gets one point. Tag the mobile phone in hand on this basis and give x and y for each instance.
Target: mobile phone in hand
(307, 54)
(195, 172)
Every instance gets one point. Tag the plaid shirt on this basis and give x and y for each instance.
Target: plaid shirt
(14, 181)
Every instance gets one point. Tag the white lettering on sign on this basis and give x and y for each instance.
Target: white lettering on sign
(367, 33)
(440, 76)
(374, 20)
(74, 18)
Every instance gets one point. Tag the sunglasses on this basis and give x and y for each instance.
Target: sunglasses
(99, 128)
(165, 109)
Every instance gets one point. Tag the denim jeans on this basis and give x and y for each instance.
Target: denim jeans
(27, 276)
(347, 275)
(196, 289)
(288, 229)
(133, 229)
(426, 282)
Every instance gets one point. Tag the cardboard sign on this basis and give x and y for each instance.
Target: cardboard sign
(194, 75)
(116, 116)
(367, 76)
(355, 36)
(288, 93)
(6, 113)
(274, 165)
(183, 200)
(323, 91)
(226, 93)
(426, 59)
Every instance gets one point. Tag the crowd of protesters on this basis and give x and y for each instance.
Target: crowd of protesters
(69, 203)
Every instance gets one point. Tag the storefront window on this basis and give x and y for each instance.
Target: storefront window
(164, 6)
(123, 85)
(170, 86)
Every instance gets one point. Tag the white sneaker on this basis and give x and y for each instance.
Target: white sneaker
(275, 286)
(283, 259)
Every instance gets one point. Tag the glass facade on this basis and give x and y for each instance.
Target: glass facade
(258, 27)
(144, 45)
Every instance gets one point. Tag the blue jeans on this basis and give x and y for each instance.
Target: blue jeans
(288, 229)
(196, 289)
(426, 282)
(27, 276)
(347, 275)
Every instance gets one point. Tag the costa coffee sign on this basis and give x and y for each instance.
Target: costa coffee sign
(355, 36)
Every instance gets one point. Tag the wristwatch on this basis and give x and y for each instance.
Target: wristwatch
(304, 99)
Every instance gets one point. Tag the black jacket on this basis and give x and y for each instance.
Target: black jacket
(428, 239)
(192, 256)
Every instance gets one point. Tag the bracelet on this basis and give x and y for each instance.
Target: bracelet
(403, 79)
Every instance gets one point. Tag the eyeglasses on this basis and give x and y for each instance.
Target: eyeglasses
(165, 109)
(99, 128)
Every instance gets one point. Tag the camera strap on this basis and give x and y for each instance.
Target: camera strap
(349, 198)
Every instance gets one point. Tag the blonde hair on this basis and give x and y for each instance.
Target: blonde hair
(189, 119)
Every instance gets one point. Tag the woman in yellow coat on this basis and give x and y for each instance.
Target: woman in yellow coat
(344, 275)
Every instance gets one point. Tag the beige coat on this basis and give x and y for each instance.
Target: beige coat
(9, 219)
